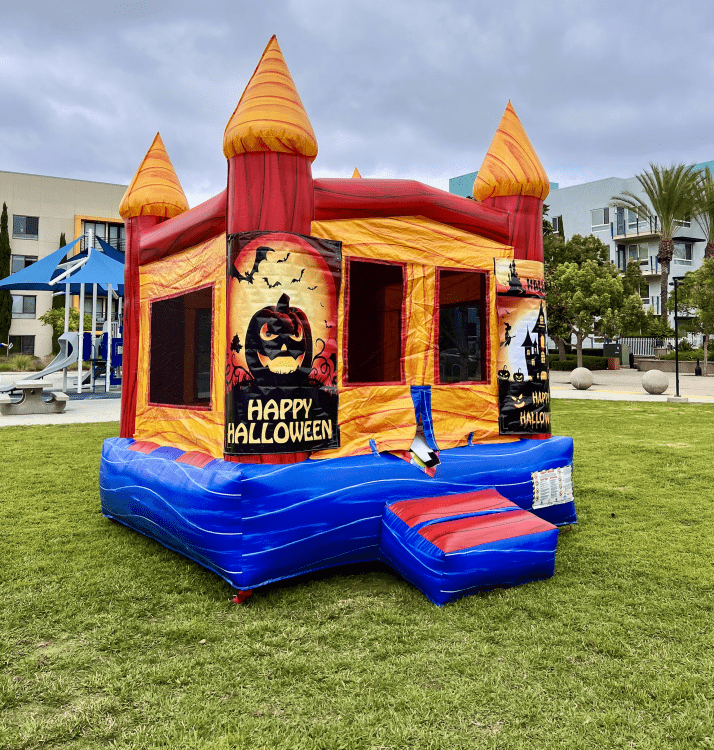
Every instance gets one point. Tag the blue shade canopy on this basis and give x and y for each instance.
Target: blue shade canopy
(38, 275)
(111, 252)
(99, 269)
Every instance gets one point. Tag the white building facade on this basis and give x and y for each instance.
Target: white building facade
(39, 210)
(586, 209)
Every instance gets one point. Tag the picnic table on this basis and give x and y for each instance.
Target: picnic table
(31, 400)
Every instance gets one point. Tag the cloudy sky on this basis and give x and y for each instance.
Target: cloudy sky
(396, 88)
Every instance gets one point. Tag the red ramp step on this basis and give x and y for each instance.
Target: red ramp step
(456, 545)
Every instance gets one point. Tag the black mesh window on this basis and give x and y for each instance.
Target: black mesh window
(180, 349)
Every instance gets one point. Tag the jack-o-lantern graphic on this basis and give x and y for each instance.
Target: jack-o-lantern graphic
(281, 343)
(278, 344)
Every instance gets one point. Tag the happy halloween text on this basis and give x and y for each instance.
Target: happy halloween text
(279, 421)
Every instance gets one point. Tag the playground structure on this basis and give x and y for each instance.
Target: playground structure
(329, 371)
(94, 352)
(73, 272)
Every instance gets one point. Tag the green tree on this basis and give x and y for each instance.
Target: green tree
(577, 249)
(696, 294)
(557, 251)
(55, 317)
(669, 195)
(58, 300)
(5, 296)
(704, 210)
(590, 299)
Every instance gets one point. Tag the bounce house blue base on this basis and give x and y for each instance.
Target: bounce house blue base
(253, 524)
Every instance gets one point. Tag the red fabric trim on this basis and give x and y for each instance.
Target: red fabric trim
(190, 228)
(337, 198)
(485, 353)
(131, 322)
(195, 458)
(452, 536)
(526, 226)
(413, 512)
(345, 326)
(268, 458)
(143, 446)
(269, 191)
(188, 407)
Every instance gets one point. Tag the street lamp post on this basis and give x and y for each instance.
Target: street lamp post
(676, 281)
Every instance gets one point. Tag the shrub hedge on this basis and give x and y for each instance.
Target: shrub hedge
(592, 363)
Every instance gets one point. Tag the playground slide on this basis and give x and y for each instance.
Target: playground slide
(67, 356)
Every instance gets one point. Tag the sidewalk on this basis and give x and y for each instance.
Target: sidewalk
(626, 385)
(608, 385)
(86, 408)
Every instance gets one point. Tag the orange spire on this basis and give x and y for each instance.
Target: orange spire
(511, 165)
(356, 173)
(155, 189)
(270, 115)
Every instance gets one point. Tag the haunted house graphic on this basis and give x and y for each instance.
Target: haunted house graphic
(524, 398)
(536, 350)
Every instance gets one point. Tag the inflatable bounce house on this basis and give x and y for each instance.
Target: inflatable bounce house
(330, 371)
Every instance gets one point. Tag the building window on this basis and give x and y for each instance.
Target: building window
(599, 217)
(632, 220)
(375, 320)
(638, 254)
(113, 234)
(683, 253)
(25, 227)
(461, 300)
(23, 306)
(557, 223)
(685, 222)
(180, 349)
(22, 344)
(18, 262)
(116, 236)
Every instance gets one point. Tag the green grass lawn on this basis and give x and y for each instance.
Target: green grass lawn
(110, 640)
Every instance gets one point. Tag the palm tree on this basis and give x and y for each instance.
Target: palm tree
(704, 210)
(669, 193)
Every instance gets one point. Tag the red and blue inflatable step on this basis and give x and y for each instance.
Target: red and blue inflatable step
(455, 545)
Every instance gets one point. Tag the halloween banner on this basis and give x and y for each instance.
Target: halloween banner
(281, 354)
(519, 278)
(523, 387)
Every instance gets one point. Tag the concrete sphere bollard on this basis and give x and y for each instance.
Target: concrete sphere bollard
(655, 382)
(581, 378)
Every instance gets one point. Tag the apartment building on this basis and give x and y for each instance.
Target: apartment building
(586, 209)
(40, 209)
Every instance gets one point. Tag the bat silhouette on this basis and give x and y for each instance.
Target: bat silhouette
(299, 279)
(312, 288)
(271, 286)
(282, 260)
(260, 255)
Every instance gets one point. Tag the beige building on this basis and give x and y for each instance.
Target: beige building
(39, 210)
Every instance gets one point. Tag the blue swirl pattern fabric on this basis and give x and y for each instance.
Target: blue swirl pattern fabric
(253, 524)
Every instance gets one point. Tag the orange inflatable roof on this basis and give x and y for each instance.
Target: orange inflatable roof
(511, 165)
(270, 115)
(155, 189)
